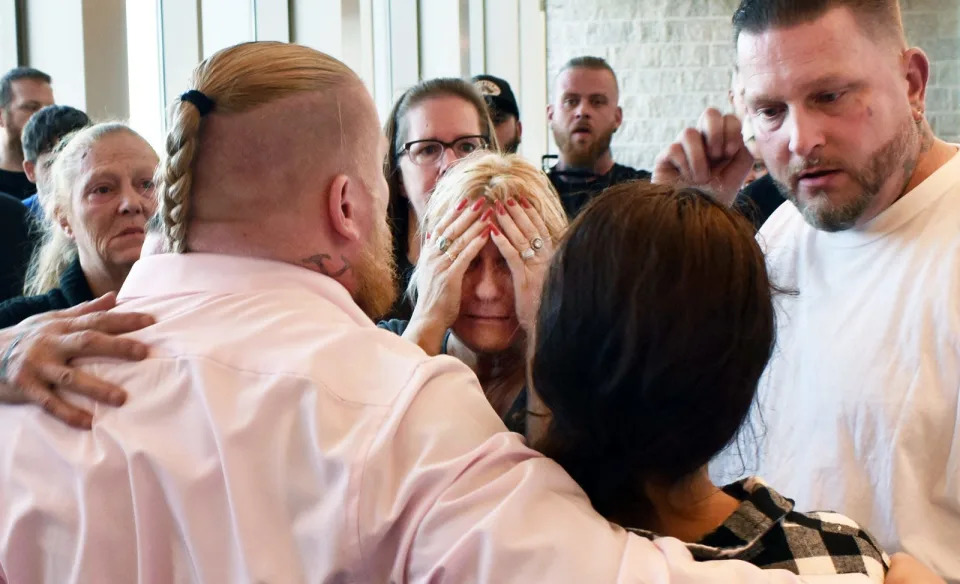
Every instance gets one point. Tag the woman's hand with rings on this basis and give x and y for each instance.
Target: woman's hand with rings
(444, 258)
(525, 243)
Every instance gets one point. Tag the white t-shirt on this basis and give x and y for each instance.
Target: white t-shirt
(859, 404)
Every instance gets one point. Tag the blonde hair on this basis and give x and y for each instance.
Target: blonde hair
(236, 79)
(56, 250)
(496, 177)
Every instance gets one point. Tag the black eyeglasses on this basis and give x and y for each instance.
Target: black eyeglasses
(429, 152)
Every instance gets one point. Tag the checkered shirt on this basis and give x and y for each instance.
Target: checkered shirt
(767, 532)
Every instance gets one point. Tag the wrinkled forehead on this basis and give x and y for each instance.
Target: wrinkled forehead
(779, 63)
(783, 59)
(119, 152)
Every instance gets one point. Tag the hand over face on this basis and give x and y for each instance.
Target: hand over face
(525, 243)
(446, 254)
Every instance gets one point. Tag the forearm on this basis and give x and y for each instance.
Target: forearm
(427, 333)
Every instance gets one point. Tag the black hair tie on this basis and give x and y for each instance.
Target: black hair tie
(203, 103)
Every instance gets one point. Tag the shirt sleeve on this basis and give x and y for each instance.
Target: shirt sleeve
(448, 496)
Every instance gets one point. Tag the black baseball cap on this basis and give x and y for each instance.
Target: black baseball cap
(498, 95)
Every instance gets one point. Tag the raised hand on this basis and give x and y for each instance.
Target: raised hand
(444, 258)
(525, 243)
(711, 156)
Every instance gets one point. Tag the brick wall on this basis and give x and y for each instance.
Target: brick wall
(674, 57)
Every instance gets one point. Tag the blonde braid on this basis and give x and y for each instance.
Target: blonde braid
(234, 79)
(176, 176)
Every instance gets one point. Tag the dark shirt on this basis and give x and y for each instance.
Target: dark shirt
(16, 184)
(576, 190)
(515, 419)
(73, 290)
(16, 246)
(759, 199)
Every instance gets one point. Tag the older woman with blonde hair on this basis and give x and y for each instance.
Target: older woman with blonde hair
(487, 236)
(102, 195)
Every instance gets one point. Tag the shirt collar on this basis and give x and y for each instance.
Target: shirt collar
(761, 509)
(74, 285)
(178, 274)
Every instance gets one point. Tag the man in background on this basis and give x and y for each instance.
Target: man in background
(503, 109)
(23, 92)
(583, 117)
(40, 137)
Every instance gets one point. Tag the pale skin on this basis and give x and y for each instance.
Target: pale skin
(109, 205)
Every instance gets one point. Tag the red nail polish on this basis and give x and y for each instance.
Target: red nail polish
(428, 236)
(511, 202)
(463, 204)
(494, 230)
(501, 209)
(525, 203)
(486, 215)
(478, 204)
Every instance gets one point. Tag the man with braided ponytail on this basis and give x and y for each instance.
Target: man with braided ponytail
(274, 434)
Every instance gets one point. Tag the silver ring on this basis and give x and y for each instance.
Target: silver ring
(528, 253)
(536, 243)
(443, 244)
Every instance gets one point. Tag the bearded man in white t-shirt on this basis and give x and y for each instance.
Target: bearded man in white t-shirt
(859, 404)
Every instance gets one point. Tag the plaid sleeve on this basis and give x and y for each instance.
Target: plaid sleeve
(830, 543)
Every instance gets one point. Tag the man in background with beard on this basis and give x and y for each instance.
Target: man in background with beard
(23, 91)
(583, 118)
(860, 401)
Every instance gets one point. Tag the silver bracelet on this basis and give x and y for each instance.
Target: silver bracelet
(5, 361)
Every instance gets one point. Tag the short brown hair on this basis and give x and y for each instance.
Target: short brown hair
(6, 82)
(874, 16)
(588, 62)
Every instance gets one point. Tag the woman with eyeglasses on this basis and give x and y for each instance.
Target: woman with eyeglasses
(432, 125)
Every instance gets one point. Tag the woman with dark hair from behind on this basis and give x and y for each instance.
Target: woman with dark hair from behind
(649, 368)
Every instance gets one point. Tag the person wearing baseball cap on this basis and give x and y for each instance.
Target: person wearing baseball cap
(503, 110)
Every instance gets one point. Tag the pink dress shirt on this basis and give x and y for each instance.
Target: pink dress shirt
(276, 435)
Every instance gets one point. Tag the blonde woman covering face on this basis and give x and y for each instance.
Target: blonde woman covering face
(487, 237)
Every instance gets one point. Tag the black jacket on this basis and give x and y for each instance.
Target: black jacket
(15, 246)
(73, 290)
(759, 199)
(576, 191)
